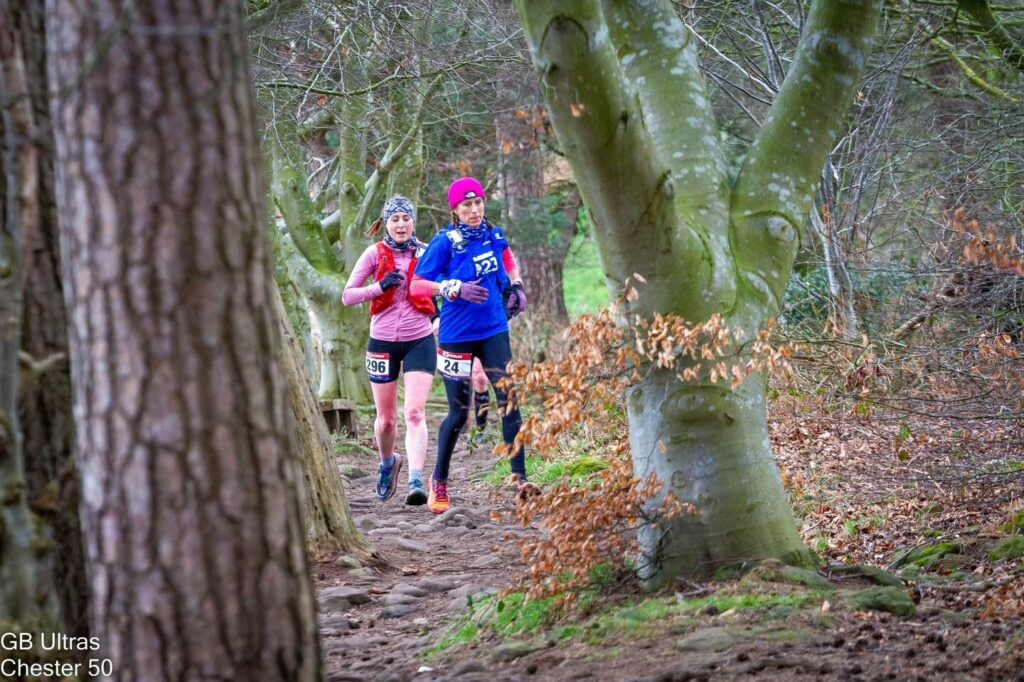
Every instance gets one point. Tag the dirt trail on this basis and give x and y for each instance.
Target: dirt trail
(377, 622)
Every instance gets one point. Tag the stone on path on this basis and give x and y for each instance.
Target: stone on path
(438, 584)
(383, 530)
(412, 590)
(398, 610)
(412, 545)
(470, 665)
(486, 561)
(397, 598)
(346, 561)
(509, 651)
(367, 523)
(341, 598)
(708, 639)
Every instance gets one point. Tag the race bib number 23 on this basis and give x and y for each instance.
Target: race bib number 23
(485, 264)
(454, 365)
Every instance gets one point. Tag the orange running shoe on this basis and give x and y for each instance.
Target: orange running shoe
(437, 501)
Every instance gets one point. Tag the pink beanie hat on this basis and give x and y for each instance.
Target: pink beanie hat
(465, 188)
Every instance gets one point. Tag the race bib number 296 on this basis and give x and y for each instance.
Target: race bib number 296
(454, 365)
(378, 365)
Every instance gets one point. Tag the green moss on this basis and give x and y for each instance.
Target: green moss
(748, 601)
(928, 556)
(777, 572)
(872, 573)
(1008, 548)
(889, 599)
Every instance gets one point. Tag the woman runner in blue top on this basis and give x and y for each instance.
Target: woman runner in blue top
(464, 264)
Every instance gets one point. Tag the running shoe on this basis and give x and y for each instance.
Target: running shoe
(438, 501)
(387, 480)
(524, 489)
(417, 495)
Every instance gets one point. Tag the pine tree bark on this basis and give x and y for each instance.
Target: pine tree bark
(27, 597)
(190, 509)
(44, 405)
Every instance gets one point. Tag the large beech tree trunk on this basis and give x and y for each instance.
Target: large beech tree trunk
(190, 510)
(629, 105)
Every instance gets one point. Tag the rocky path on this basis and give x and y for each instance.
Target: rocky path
(376, 620)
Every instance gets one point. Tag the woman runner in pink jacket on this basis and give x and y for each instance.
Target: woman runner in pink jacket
(401, 338)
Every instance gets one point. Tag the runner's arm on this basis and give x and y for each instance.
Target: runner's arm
(354, 294)
(508, 259)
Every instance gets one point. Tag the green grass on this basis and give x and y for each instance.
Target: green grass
(545, 472)
(463, 635)
(583, 279)
(1008, 548)
(514, 616)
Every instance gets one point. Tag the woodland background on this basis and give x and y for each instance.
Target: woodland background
(185, 192)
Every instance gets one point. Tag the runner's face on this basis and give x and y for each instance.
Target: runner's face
(400, 227)
(471, 212)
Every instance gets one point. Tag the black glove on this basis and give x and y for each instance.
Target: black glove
(391, 280)
(514, 299)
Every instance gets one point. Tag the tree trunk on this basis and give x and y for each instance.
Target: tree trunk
(540, 239)
(321, 274)
(329, 523)
(190, 510)
(840, 284)
(543, 267)
(716, 457)
(44, 405)
(643, 144)
(28, 601)
(344, 335)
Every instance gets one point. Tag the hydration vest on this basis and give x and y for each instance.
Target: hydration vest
(386, 264)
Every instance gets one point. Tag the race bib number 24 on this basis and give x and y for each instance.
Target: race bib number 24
(454, 365)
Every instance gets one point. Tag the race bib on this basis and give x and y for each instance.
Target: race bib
(378, 365)
(454, 365)
(485, 263)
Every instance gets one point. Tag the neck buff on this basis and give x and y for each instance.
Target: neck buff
(473, 233)
(410, 244)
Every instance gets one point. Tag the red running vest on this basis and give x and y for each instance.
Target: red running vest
(386, 264)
